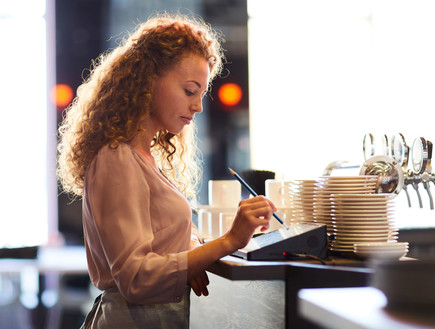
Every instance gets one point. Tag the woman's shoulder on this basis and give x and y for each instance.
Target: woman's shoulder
(114, 157)
(119, 151)
(113, 160)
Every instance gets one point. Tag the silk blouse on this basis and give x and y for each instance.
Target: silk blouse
(137, 228)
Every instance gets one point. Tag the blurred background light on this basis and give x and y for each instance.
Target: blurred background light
(61, 95)
(230, 94)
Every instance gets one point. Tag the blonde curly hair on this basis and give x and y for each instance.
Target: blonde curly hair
(114, 101)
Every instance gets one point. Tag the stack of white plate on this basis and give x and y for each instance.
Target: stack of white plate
(362, 218)
(301, 193)
(381, 250)
(328, 185)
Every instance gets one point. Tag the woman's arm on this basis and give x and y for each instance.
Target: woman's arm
(252, 213)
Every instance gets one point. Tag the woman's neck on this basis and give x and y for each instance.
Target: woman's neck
(142, 143)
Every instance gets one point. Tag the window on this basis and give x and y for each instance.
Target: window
(28, 127)
(324, 73)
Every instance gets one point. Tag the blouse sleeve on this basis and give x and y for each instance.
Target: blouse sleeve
(119, 198)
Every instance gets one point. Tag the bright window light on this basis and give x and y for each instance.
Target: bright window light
(323, 73)
(25, 134)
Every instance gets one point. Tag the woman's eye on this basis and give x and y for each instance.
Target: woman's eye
(188, 92)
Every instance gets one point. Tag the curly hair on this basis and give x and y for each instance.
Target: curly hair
(115, 99)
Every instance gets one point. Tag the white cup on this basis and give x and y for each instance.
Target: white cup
(224, 193)
(225, 222)
(204, 223)
(277, 191)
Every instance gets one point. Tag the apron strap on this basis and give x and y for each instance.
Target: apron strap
(88, 320)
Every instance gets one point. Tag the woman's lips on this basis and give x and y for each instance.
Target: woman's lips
(187, 120)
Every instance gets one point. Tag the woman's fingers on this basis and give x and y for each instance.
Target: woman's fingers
(199, 284)
(258, 200)
(257, 207)
(195, 287)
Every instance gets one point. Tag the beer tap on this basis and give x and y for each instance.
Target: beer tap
(405, 188)
(415, 180)
(400, 165)
(386, 146)
(422, 167)
(400, 153)
(425, 178)
(368, 146)
(390, 174)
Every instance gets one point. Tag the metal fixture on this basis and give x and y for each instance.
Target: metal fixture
(406, 166)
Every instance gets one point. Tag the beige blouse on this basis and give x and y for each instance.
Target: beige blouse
(137, 228)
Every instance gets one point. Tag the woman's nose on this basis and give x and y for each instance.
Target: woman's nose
(197, 106)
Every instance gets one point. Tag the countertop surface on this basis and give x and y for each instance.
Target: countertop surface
(235, 268)
(358, 308)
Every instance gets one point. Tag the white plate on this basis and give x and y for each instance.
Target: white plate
(380, 251)
(377, 226)
(346, 214)
(387, 213)
(369, 215)
(340, 178)
(328, 192)
(393, 250)
(377, 246)
(303, 194)
(361, 199)
(359, 216)
(343, 204)
(345, 183)
(374, 196)
(352, 241)
(361, 210)
(384, 255)
(380, 223)
(318, 201)
(338, 248)
(346, 244)
(361, 207)
(349, 217)
(400, 248)
(383, 231)
(363, 232)
(347, 187)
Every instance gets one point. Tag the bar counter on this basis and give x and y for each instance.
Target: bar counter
(264, 294)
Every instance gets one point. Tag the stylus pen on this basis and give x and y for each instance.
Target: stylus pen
(240, 179)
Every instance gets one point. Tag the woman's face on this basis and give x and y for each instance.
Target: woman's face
(178, 93)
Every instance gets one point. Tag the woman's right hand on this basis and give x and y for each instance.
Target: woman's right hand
(252, 213)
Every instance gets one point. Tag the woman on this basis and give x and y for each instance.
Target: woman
(127, 147)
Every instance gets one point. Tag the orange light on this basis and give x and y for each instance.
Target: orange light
(61, 95)
(230, 94)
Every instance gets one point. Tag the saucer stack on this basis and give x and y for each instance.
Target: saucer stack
(362, 218)
(326, 186)
(301, 193)
(381, 250)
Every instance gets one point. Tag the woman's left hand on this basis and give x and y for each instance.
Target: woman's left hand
(199, 284)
